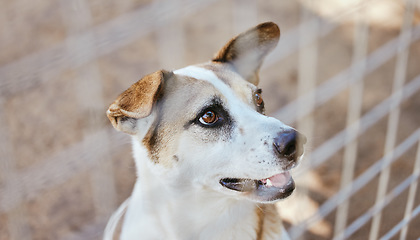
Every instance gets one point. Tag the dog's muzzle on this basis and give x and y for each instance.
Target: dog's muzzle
(288, 147)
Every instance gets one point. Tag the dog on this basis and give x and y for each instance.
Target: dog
(209, 163)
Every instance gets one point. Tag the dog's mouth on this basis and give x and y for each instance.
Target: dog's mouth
(269, 189)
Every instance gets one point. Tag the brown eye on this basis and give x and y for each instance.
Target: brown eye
(208, 118)
(258, 99)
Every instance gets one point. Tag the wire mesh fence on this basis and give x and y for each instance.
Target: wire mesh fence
(345, 73)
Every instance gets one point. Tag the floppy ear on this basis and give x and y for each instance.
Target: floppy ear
(247, 51)
(136, 102)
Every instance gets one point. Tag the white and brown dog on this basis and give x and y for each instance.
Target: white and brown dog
(210, 164)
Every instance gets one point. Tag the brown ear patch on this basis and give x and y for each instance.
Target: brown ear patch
(138, 100)
(247, 51)
(264, 36)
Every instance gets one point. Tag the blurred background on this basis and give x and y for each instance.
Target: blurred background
(345, 73)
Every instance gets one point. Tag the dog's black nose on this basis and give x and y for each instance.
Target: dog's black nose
(289, 144)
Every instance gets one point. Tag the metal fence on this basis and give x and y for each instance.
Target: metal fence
(346, 74)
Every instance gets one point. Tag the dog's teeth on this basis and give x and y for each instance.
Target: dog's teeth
(268, 183)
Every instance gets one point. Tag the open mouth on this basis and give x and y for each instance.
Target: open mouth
(269, 189)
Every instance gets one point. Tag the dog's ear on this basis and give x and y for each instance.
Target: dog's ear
(247, 51)
(136, 102)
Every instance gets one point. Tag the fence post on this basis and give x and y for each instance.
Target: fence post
(361, 34)
(411, 195)
(393, 119)
(307, 78)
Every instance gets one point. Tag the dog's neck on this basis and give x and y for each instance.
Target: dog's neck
(212, 216)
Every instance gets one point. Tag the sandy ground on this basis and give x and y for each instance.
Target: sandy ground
(56, 109)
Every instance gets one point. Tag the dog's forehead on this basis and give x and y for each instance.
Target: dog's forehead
(228, 83)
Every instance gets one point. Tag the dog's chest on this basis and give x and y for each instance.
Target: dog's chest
(204, 219)
(189, 218)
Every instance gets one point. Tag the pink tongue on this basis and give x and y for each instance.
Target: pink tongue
(280, 180)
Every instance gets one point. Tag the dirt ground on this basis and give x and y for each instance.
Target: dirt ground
(51, 106)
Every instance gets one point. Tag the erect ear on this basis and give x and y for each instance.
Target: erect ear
(247, 51)
(136, 102)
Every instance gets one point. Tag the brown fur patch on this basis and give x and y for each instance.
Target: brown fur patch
(260, 212)
(152, 140)
(272, 221)
(268, 221)
(138, 100)
(263, 36)
(247, 51)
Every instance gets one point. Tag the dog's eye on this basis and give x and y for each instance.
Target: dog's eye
(258, 99)
(209, 118)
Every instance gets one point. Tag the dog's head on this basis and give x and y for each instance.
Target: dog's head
(204, 125)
